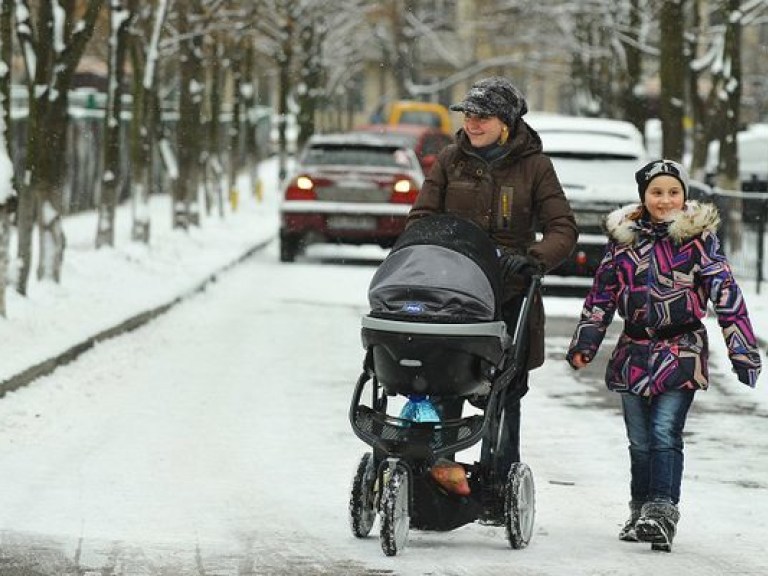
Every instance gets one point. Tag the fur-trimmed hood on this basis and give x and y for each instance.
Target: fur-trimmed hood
(627, 224)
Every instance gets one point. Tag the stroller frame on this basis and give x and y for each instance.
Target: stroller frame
(393, 478)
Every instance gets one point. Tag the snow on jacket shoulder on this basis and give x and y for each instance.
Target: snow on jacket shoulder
(658, 275)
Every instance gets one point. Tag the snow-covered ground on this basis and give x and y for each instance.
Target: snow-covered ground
(223, 425)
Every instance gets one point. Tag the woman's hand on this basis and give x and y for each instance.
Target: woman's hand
(579, 360)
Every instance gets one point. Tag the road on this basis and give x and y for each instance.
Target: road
(215, 441)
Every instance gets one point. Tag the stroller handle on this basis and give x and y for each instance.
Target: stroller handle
(522, 318)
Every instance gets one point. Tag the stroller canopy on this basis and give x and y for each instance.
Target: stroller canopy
(442, 268)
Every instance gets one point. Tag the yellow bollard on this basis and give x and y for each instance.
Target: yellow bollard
(258, 190)
(234, 199)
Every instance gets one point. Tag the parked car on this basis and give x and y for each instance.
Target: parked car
(414, 112)
(425, 140)
(351, 188)
(752, 146)
(596, 160)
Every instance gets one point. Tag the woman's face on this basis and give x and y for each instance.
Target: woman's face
(482, 130)
(663, 196)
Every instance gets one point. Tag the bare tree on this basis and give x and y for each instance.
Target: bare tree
(51, 45)
(186, 209)
(728, 82)
(7, 191)
(112, 177)
(704, 108)
(236, 66)
(672, 71)
(212, 165)
(145, 131)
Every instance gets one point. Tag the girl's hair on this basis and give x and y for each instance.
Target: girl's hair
(637, 213)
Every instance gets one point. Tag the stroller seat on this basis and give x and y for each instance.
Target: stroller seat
(435, 359)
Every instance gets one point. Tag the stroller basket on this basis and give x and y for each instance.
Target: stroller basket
(414, 439)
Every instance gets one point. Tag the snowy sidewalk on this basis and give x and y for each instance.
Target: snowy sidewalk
(105, 292)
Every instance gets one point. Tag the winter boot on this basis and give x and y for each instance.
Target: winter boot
(627, 533)
(658, 524)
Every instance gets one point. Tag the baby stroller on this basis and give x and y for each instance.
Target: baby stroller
(435, 332)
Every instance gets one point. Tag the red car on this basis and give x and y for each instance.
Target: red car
(353, 188)
(425, 140)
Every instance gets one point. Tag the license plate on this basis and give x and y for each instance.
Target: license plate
(345, 222)
(593, 219)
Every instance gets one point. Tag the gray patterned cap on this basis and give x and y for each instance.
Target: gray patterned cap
(494, 96)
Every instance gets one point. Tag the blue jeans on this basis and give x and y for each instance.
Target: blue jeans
(655, 432)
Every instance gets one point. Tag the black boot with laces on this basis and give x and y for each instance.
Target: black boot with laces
(658, 524)
(628, 532)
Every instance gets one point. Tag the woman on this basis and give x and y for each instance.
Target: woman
(497, 176)
(662, 265)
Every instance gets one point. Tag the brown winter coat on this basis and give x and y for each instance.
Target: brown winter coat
(512, 197)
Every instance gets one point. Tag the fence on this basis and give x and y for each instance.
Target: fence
(747, 209)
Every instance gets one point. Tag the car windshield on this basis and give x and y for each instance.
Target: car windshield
(356, 155)
(586, 181)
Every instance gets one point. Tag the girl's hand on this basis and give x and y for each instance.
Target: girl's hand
(579, 360)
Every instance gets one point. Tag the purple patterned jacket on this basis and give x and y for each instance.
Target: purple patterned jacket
(663, 274)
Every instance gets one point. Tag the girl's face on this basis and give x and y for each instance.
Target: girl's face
(482, 130)
(663, 196)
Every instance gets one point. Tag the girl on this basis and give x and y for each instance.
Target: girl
(663, 262)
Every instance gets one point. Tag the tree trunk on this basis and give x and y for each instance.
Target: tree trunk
(7, 192)
(310, 80)
(49, 71)
(402, 69)
(186, 189)
(236, 75)
(285, 62)
(46, 185)
(672, 71)
(248, 92)
(5, 258)
(146, 111)
(728, 163)
(26, 207)
(699, 116)
(212, 154)
(634, 109)
(111, 178)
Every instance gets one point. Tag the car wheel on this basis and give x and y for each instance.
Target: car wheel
(289, 247)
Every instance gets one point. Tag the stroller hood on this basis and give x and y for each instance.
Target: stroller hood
(442, 268)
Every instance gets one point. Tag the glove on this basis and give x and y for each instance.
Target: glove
(516, 271)
(518, 265)
(746, 375)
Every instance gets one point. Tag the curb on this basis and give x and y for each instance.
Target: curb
(47, 367)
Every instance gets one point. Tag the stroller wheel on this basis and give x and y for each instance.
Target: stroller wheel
(362, 498)
(519, 505)
(395, 510)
